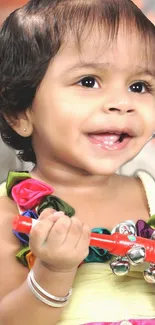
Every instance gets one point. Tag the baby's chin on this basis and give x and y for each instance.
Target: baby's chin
(102, 168)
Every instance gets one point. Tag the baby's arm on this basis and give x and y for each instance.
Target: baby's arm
(18, 305)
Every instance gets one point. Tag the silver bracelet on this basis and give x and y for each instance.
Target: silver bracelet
(45, 293)
(56, 301)
(43, 299)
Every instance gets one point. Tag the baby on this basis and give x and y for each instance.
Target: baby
(77, 99)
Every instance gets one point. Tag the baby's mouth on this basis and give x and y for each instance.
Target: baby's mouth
(110, 140)
(110, 137)
(123, 136)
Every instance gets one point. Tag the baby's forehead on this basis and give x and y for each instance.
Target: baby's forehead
(125, 50)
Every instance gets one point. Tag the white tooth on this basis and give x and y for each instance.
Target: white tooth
(109, 143)
(106, 142)
(112, 138)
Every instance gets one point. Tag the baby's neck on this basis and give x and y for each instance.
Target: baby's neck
(98, 201)
(63, 179)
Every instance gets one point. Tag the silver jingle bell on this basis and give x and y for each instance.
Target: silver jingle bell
(136, 255)
(153, 236)
(125, 228)
(149, 274)
(121, 266)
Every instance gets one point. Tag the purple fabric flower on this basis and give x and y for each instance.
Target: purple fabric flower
(143, 229)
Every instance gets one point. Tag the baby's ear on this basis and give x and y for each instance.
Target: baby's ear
(21, 124)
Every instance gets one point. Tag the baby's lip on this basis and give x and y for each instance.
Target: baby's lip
(111, 130)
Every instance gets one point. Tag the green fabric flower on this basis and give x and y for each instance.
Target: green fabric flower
(57, 204)
(96, 254)
(14, 178)
(21, 255)
(151, 221)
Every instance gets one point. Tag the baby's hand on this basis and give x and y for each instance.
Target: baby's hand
(60, 242)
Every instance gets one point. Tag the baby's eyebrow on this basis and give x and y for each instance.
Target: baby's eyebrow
(92, 65)
(136, 70)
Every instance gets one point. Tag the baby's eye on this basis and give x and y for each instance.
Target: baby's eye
(139, 87)
(89, 82)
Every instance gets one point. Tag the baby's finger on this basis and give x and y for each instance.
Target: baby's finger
(74, 233)
(45, 213)
(48, 213)
(39, 233)
(59, 231)
(84, 239)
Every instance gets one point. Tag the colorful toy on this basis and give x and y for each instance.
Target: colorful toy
(129, 248)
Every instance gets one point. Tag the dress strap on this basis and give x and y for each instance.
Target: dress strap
(3, 189)
(149, 186)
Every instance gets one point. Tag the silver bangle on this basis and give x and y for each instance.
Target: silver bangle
(45, 293)
(53, 300)
(43, 299)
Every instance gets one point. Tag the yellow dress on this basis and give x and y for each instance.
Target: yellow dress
(102, 298)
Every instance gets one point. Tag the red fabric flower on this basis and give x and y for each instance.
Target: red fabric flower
(30, 192)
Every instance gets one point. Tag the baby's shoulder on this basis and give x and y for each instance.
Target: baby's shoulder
(8, 209)
(10, 269)
(148, 183)
(140, 189)
(139, 176)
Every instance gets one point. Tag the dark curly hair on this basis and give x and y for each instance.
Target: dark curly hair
(32, 35)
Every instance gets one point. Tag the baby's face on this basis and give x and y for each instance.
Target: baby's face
(88, 100)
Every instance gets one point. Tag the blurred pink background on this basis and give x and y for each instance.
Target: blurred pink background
(145, 160)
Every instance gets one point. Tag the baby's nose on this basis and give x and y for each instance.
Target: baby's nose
(114, 104)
